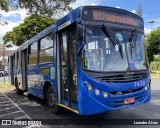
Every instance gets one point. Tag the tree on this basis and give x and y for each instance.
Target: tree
(40, 7)
(29, 28)
(4, 5)
(153, 44)
(139, 11)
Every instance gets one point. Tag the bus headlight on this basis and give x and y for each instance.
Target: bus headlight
(90, 87)
(146, 87)
(85, 82)
(97, 92)
(105, 94)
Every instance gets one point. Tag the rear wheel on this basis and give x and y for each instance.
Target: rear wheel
(18, 91)
(55, 109)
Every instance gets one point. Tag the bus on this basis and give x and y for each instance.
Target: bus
(91, 61)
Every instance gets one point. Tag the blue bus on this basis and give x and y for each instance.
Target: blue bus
(91, 61)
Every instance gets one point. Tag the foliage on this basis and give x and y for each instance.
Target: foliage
(155, 66)
(40, 7)
(4, 5)
(153, 44)
(139, 11)
(157, 58)
(31, 26)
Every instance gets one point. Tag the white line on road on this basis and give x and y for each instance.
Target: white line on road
(3, 98)
(10, 113)
(17, 106)
(7, 108)
(20, 110)
(5, 102)
(22, 117)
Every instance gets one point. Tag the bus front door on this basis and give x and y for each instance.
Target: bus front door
(68, 68)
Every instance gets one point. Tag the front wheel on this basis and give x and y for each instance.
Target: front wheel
(55, 109)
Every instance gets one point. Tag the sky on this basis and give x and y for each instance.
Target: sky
(150, 11)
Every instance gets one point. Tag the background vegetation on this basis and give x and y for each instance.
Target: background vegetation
(41, 7)
(29, 28)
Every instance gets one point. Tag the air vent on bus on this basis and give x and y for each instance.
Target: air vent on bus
(127, 92)
(123, 78)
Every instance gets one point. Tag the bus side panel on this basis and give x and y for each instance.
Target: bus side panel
(33, 79)
(38, 75)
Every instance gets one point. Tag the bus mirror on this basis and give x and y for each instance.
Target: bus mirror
(80, 32)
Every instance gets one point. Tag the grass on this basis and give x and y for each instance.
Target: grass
(4, 87)
(153, 75)
(6, 84)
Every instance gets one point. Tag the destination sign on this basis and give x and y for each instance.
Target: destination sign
(112, 15)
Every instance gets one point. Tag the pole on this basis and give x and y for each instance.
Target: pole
(3, 58)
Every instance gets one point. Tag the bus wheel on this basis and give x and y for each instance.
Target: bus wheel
(18, 91)
(51, 101)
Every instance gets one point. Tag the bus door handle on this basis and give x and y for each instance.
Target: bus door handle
(75, 79)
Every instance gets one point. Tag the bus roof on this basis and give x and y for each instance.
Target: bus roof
(73, 16)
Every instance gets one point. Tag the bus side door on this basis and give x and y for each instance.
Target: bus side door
(68, 66)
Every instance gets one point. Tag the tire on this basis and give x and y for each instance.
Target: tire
(54, 108)
(18, 91)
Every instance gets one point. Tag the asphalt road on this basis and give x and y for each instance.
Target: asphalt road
(14, 106)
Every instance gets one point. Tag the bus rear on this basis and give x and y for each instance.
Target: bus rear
(113, 71)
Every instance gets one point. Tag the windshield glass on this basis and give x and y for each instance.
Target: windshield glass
(100, 54)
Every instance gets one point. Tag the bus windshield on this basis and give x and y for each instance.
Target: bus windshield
(100, 54)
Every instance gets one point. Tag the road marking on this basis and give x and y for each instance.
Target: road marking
(25, 116)
(5, 102)
(20, 118)
(2, 98)
(10, 113)
(17, 106)
(146, 111)
(20, 110)
(7, 108)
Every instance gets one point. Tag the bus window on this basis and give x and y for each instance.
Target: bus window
(33, 54)
(46, 49)
(16, 57)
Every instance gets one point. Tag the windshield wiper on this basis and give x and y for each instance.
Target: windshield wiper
(112, 37)
(132, 40)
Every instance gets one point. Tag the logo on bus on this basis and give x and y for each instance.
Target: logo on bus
(140, 83)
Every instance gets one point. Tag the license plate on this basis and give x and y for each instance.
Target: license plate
(129, 100)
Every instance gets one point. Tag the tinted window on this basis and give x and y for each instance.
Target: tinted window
(46, 49)
(33, 53)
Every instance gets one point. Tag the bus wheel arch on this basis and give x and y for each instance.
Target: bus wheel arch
(18, 91)
(50, 97)
(47, 84)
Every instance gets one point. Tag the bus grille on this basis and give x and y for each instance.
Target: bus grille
(120, 102)
(123, 78)
(127, 92)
